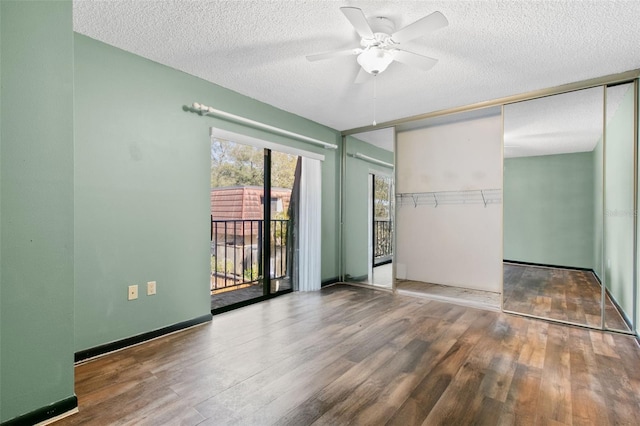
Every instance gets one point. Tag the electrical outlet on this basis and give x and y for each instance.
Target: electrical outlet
(151, 288)
(133, 292)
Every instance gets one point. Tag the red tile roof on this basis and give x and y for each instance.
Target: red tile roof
(243, 202)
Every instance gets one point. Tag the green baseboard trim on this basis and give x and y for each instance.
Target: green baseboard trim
(134, 340)
(44, 413)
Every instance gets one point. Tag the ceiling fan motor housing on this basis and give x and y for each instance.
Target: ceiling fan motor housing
(377, 54)
(382, 29)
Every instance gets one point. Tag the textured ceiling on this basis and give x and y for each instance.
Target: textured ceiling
(489, 50)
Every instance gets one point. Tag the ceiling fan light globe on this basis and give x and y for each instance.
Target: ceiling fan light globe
(375, 60)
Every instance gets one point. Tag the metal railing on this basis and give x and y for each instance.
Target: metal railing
(382, 241)
(236, 251)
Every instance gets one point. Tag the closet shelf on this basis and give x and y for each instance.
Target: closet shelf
(437, 198)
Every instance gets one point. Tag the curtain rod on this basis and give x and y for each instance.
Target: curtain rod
(371, 159)
(204, 109)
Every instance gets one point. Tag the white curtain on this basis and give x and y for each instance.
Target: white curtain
(309, 227)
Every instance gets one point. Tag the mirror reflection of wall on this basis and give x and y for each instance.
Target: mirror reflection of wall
(552, 206)
(563, 178)
(619, 208)
(368, 208)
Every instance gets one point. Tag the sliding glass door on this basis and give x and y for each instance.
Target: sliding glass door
(252, 234)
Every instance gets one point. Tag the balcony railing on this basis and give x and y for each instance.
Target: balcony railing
(236, 252)
(382, 241)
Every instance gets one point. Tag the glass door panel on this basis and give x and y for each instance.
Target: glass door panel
(285, 196)
(237, 224)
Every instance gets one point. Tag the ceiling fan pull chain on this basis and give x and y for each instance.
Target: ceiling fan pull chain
(375, 96)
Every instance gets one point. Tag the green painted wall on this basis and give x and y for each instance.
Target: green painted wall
(356, 204)
(36, 221)
(142, 168)
(548, 209)
(619, 207)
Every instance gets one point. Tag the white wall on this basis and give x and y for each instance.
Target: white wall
(455, 244)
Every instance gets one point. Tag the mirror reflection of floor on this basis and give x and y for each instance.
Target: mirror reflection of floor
(460, 296)
(382, 276)
(561, 294)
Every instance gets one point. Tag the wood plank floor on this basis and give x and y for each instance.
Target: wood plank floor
(352, 355)
(445, 293)
(561, 294)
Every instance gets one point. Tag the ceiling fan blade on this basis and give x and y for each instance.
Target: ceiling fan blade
(422, 26)
(362, 76)
(358, 20)
(333, 54)
(425, 63)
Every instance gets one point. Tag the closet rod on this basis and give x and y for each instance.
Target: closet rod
(204, 109)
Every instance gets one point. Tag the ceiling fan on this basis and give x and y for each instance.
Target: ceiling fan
(380, 43)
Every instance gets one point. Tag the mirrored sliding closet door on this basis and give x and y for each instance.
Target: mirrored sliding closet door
(569, 207)
(618, 267)
(368, 225)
